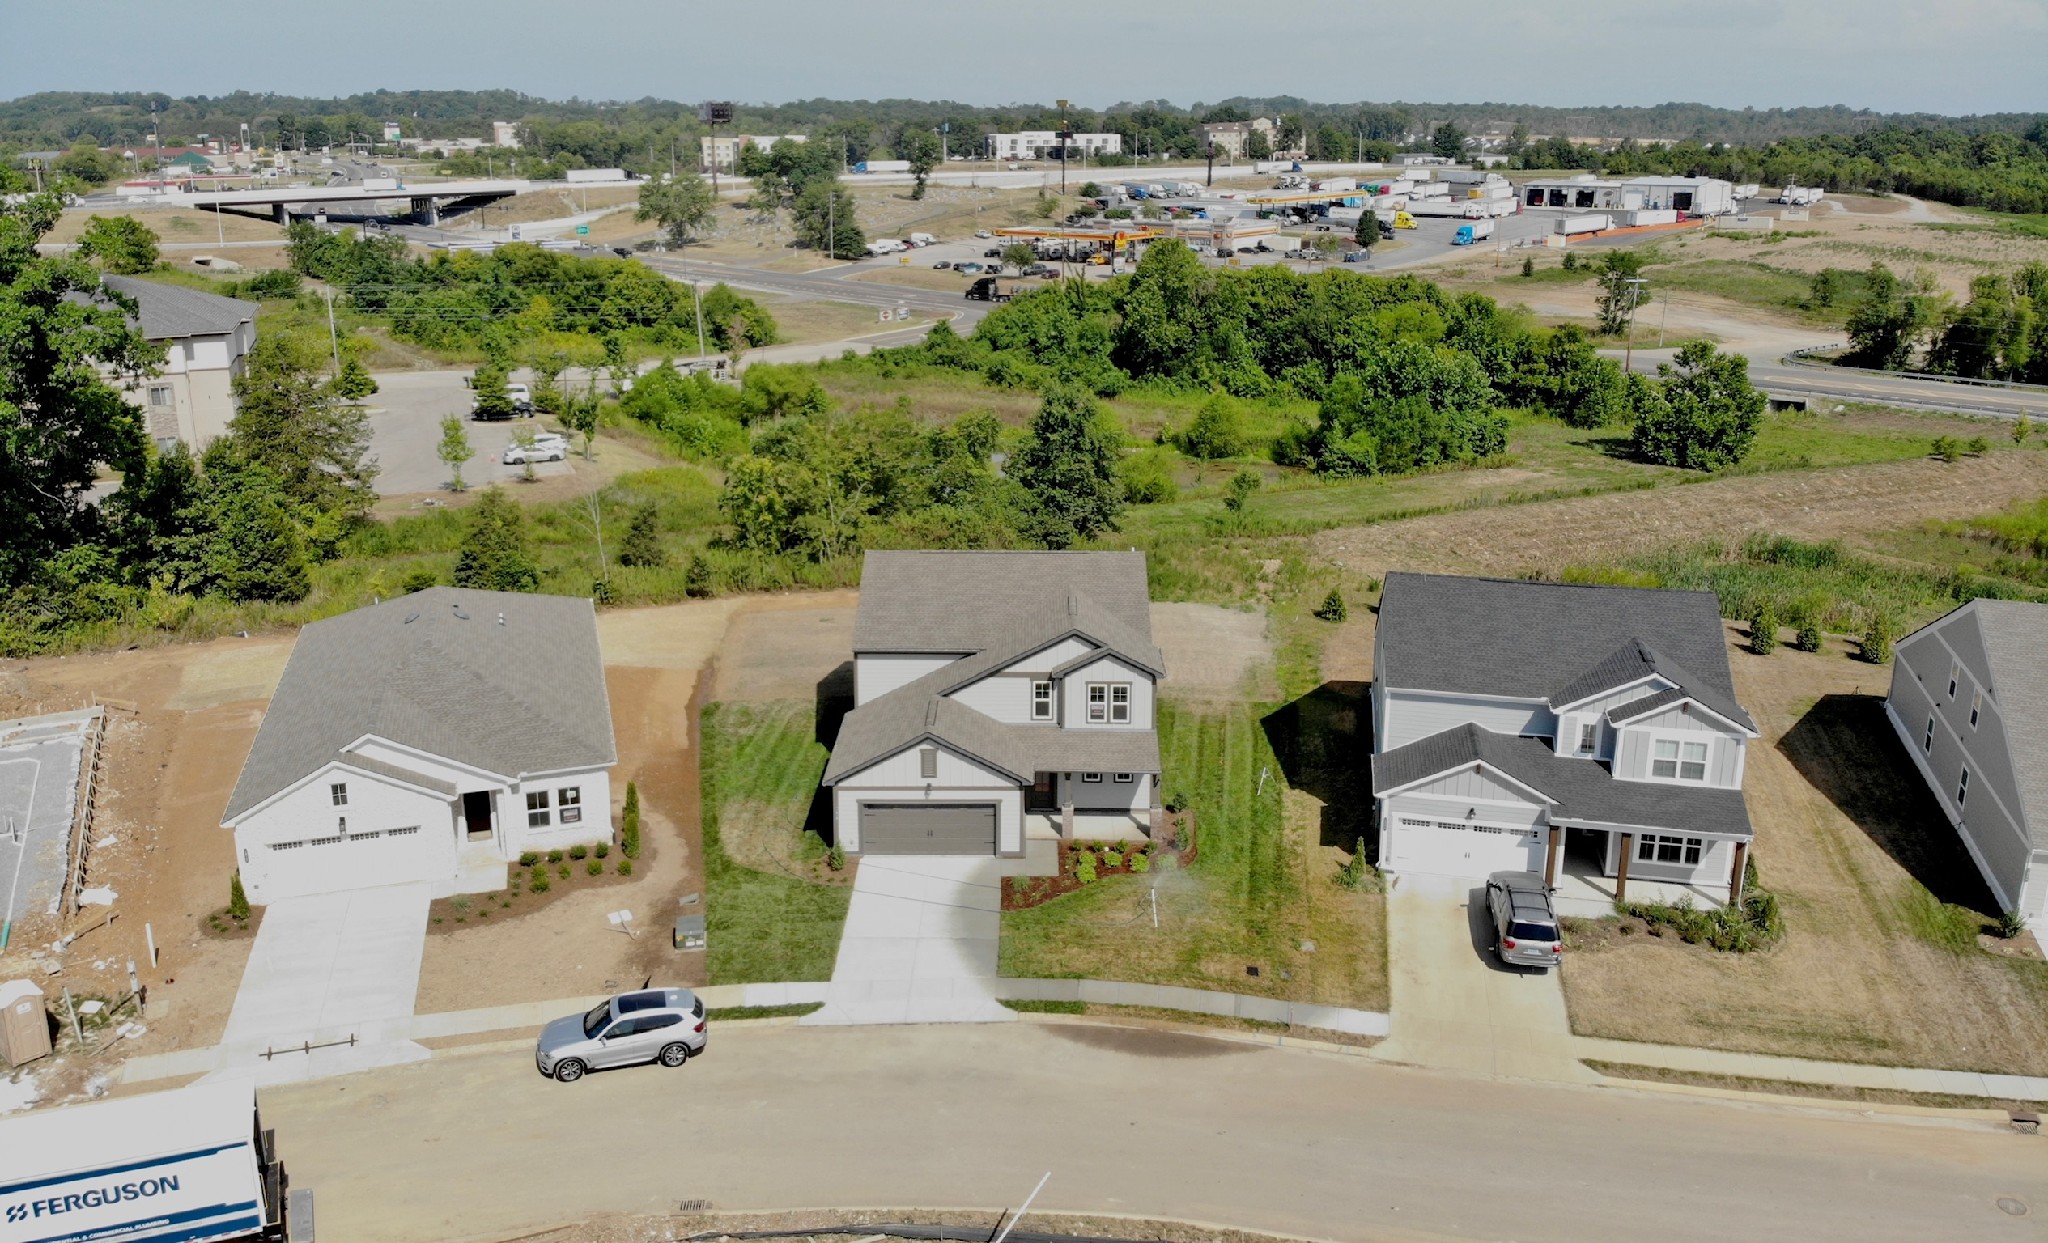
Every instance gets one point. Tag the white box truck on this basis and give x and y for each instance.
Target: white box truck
(1575, 226)
(882, 166)
(192, 1164)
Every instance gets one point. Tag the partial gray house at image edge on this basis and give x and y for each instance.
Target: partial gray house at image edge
(1588, 733)
(998, 696)
(1969, 699)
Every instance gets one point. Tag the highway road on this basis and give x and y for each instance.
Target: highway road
(474, 1144)
(1838, 384)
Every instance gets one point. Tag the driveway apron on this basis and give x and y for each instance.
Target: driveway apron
(919, 944)
(1455, 1006)
(327, 968)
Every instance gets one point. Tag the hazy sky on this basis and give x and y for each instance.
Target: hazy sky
(1949, 56)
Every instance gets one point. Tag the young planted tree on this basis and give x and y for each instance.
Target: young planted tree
(580, 414)
(454, 449)
(353, 382)
(1367, 235)
(642, 545)
(494, 555)
(1017, 254)
(1239, 491)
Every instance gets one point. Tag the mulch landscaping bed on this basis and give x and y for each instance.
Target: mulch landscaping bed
(1024, 892)
(519, 897)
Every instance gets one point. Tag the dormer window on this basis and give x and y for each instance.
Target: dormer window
(1041, 701)
(1589, 738)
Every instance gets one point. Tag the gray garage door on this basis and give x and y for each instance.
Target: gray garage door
(928, 829)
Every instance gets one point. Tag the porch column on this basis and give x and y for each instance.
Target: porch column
(1066, 789)
(1735, 874)
(1550, 858)
(1628, 847)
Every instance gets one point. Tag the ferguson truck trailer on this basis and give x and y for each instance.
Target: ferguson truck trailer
(193, 1164)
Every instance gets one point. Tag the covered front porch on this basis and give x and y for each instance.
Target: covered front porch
(1092, 807)
(1591, 869)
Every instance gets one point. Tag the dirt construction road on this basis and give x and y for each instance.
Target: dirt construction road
(1816, 505)
(1129, 1121)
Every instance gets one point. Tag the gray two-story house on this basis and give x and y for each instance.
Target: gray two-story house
(1969, 698)
(998, 696)
(1519, 725)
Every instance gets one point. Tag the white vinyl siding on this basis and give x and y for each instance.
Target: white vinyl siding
(1409, 715)
(1001, 696)
(1715, 859)
(1042, 663)
(877, 675)
(1134, 796)
(1471, 781)
(367, 854)
(1635, 754)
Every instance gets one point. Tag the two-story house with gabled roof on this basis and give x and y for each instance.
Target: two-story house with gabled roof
(998, 696)
(1969, 698)
(1528, 725)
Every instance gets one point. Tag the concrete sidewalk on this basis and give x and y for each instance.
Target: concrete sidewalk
(1455, 1007)
(1803, 1070)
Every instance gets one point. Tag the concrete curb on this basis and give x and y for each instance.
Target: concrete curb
(1196, 1001)
(1803, 1070)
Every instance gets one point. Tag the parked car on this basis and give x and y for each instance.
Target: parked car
(1041, 269)
(941, 265)
(623, 252)
(521, 397)
(554, 450)
(663, 1025)
(983, 233)
(1525, 929)
(969, 268)
(993, 252)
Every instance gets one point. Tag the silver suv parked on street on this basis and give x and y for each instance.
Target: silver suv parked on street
(663, 1025)
(1525, 932)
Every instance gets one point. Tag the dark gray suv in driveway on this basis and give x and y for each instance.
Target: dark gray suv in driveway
(663, 1025)
(1525, 931)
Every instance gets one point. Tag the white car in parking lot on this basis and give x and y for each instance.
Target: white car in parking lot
(547, 448)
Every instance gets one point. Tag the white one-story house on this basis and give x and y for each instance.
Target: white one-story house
(1969, 699)
(998, 695)
(432, 738)
(1550, 727)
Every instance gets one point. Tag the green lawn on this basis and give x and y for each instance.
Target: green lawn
(1258, 891)
(760, 770)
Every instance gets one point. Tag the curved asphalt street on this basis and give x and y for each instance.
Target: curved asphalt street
(475, 1145)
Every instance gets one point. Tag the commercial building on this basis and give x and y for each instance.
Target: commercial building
(722, 151)
(1040, 144)
(1231, 137)
(1691, 196)
(504, 133)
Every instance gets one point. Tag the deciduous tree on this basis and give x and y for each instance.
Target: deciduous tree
(683, 205)
(1068, 469)
(122, 245)
(1704, 414)
(454, 449)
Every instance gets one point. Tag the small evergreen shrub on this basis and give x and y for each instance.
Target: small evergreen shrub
(2011, 924)
(601, 849)
(578, 852)
(1333, 609)
(1877, 639)
(563, 871)
(1808, 637)
(238, 900)
(554, 856)
(1141, 863)
(1763, 628)
(594, 868)
(1529, 266)
(540, 882)
(625, 867)
(835, 858)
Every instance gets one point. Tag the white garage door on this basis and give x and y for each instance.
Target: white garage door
(355, 861)
(1458, 848)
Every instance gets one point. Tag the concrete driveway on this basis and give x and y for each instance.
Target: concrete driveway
(325, 968)
(1455, 1006)
(919, 944)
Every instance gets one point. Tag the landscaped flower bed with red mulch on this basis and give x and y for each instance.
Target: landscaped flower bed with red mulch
(1084, 863)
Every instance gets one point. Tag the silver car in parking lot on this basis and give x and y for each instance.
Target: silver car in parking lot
(663, 1025)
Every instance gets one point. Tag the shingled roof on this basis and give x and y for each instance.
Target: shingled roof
(1554, 642)
(168, 312)
(1578, 791)
(505, 682)
(2016, 644)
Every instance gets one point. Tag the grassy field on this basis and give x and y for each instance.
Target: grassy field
(1881, 960)
(761, 764)
(1260, 894)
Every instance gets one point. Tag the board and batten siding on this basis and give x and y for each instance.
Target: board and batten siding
(1992, 834)
(1074, 694)
(1717, 862)
(1410, 715)
(1002, 696)
(1594, 712)
(877, 674)
(1471, 782)
(895, 779)
(1724, 750)
(1106, 795)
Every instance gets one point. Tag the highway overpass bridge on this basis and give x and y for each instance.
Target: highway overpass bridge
(428, 199)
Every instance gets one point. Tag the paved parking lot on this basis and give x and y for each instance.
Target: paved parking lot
(406, 429)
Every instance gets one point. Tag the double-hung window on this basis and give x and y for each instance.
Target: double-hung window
(1963, 787)
(1041, 701)
(338, 793)
(1120, 703)
(1927, 739)
(537, 809)
(1589, 737)
(1674, 760)
(1656, 848)
(569, 801)
(1976, 708)
(1955, 673)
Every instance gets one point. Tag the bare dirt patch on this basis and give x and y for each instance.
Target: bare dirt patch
(671, 636)
(1845, 503)
(1211, 651)
(1879, 962)
(224, 674)
(787, 647)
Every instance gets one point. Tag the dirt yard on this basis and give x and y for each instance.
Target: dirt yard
(1874, 967)
(1818, 505)
(1212, 652)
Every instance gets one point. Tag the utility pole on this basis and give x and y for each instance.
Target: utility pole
(697, 295)
(1635, 289)
(1066, 135)
(333, 340)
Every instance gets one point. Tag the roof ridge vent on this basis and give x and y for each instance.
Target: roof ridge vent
(931, 713)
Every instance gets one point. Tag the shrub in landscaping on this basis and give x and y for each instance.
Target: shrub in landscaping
(1807, 638)
(1084, 870)
(1112, 859)
(528, 858)
(629, 823)
(625, 867)
(594, 868)
(1877, 639)
(1141, 863)
(563, 871)
(1757, 923)
(238, 900)
(1945, 449)
(578, 851)
(1978, 446)
(1332, 609)
(835, 858)
(1177, 800)
(1528, 266)
(554, 856)
(1763, 628)
(601, 849)
(1358, 874)
(1180, 833)
(2011, 924)
(539, 883)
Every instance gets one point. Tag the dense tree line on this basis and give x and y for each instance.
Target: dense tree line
(1908, 323)
(506, 300)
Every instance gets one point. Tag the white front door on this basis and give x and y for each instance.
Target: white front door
(1461, 848)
